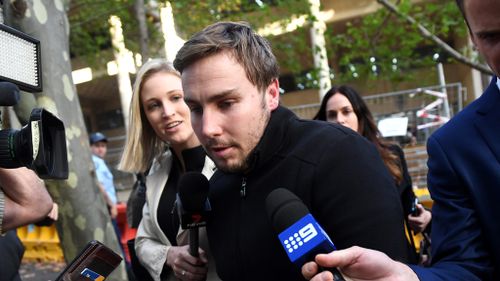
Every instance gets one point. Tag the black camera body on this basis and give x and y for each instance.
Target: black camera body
(40, 145)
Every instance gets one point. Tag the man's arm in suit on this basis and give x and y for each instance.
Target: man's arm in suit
(458, 249)
(459, 252)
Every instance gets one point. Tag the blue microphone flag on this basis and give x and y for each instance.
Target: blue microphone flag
(305, 239)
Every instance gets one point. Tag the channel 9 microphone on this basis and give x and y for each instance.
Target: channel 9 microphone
(193, 206)
(299, 233)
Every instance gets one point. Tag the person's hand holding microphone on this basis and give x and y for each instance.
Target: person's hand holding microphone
(192, 208)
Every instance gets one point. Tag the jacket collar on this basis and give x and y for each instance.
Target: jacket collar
(488, 117)
(272, 139)
(489, 98)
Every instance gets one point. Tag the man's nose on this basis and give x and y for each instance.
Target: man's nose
(210, 124)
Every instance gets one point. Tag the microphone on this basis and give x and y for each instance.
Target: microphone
(299, 233)
(9, 94)
(193, 206)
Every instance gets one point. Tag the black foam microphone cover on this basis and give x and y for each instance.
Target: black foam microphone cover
(193, 191)
(284, 209)
(287, 214)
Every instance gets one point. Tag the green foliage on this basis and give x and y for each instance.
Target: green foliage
(89, 33)
(398, 47)
(292, 49)
(89, 28)
(192, 15)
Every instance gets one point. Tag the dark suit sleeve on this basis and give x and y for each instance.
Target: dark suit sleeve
(458, 248)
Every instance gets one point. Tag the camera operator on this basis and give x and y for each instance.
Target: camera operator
(23, 198)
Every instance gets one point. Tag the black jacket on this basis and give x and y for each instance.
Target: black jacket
(405, 187)
(339, 176)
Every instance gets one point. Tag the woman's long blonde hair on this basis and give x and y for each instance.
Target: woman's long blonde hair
(142, 144)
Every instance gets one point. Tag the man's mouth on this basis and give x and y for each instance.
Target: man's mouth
(220, 151)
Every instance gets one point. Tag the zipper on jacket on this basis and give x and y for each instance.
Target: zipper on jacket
(243, 188)
(241, 216)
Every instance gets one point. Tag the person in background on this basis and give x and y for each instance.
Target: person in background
(99, 148)
(230, 83)
(463, 179)
(161, 137)
(136, 200)
(23, 200)
(12, 252)
(345, 106)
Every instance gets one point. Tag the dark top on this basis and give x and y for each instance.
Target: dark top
(405, 187)
(339, 176)
(194, 159)
(11, 254)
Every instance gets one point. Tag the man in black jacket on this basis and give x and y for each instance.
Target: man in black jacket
(230, 82)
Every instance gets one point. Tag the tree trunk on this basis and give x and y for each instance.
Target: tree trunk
(140, 15)
(318, 46)
(83, 215)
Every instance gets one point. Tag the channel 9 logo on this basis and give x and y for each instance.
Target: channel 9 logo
(306, 233)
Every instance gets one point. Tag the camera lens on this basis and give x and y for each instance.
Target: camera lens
(14, 151)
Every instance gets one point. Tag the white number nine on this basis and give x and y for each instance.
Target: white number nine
(308, 232)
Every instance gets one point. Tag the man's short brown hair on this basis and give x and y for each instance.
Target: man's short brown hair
(249, 49)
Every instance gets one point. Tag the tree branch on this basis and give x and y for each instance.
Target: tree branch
(440, 43)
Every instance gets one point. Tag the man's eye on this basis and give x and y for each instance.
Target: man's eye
(195, 109)
(490, 36)
(226, 104)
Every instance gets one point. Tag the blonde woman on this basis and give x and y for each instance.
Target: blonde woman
(161, 137)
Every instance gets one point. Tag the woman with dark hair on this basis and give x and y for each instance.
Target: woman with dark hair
(345, 106)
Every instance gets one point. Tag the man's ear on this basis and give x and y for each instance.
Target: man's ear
(273, 95)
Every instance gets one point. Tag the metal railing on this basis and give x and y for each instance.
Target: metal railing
(411, 103)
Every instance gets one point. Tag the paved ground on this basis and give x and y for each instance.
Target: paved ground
(48, 271)
(40, 271)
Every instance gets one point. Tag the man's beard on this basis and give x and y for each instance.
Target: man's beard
(225, 166)
(240, 167)
(245, 164)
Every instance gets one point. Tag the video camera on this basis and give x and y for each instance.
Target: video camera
(41, 144)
